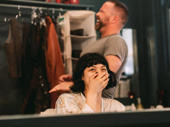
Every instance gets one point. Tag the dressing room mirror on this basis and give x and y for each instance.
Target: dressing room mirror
(146, 74)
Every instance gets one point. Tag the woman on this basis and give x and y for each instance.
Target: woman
(90, 78)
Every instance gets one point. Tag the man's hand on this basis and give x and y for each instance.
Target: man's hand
(65, 78)
(64, 86)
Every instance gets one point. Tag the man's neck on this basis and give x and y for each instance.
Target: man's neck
(109, 30)
(107, 34)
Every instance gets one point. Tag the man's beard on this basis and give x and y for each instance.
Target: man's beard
(101, 24)
(98, 26)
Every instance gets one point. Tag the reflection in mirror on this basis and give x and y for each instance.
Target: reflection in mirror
(145, 18)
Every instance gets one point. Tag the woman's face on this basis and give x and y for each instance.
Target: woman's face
(89, 71)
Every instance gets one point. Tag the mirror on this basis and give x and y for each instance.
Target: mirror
(150, 20)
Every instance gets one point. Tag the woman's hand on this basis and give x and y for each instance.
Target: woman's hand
(98, 82)
(94, 90)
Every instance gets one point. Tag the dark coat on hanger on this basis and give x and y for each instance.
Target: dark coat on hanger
(36, 97)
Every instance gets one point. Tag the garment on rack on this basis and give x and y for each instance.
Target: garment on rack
(42, 97)
(54, 62)
(60, 34)
(37, 97)
(34, 58)
(13, 48)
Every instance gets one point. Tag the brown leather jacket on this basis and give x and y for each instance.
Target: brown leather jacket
(54, 62)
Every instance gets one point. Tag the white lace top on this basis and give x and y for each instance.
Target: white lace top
(73, 103)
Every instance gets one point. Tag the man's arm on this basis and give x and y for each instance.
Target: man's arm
(64, 86)
(65, 82)
(114, 62)
(114, 65)
(65, 78)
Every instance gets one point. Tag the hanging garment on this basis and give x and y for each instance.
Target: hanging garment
(30, 51)
(60, 37)
(37, 97)
(42, 96)
(13, 48)
(54, 62)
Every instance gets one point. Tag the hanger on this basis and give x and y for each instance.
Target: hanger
(6, 20)
(60, 19)
(53, 14)
(18, 16)
(33, 16)
(42, 17)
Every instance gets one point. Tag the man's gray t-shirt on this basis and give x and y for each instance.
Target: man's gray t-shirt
(110, 45)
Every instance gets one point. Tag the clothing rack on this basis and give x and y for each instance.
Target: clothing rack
(37, 6)
(56, 6)
(32, 7)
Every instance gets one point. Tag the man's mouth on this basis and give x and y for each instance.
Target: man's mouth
(98, 24)
(98, 21)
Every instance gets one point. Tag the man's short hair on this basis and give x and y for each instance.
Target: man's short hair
(122, 9)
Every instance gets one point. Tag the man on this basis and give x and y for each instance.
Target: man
(111, 18)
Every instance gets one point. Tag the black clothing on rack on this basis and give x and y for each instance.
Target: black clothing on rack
(25, 50)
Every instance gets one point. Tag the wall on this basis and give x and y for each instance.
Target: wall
(150, 19)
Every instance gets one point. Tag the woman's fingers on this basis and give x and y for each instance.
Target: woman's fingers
(94, 76)
(103, 80)
(104, 83)
(104, 77)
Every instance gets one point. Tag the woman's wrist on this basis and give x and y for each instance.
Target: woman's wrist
(94, 101)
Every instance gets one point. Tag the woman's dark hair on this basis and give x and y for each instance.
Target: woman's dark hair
(85, 61)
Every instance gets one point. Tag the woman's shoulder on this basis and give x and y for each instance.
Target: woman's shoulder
(113, 105)
(108, 100)
(70, 95)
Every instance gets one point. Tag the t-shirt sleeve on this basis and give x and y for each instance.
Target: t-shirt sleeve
(67, 104)
(116, 46)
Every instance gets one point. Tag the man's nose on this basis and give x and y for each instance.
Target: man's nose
(97, 14)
